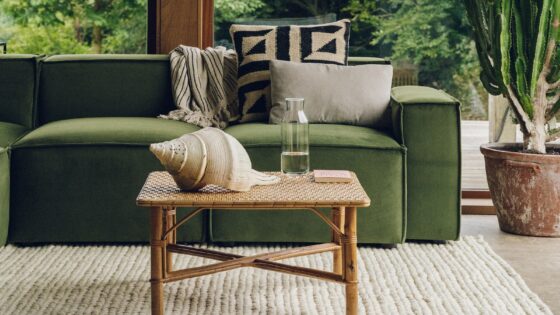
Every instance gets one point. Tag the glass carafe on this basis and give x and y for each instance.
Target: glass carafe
(295, 139)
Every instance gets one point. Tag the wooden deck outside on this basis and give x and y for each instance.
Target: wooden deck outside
(473, 134)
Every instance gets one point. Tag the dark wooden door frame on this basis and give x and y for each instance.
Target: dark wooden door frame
(152, 28)
(208, 23)
(179, 22)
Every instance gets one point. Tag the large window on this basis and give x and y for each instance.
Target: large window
(73, 26)
(429, 38)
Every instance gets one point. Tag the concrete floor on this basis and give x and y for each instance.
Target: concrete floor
(536, 259)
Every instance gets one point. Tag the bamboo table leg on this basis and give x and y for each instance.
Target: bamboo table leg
(170, 218)
(337, 215)
(350, 252)
(157, 248)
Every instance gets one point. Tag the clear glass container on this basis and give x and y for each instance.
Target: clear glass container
(295, 139)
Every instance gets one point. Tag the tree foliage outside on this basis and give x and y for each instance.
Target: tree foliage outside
(435, 36)
(89, 26)
(227, 10)
(432, 35)
(74, 26)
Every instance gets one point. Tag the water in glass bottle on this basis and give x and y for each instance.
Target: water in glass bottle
(295, 139)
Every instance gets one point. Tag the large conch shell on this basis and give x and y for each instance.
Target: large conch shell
(209, 156)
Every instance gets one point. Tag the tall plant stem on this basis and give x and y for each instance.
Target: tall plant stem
(537, 137)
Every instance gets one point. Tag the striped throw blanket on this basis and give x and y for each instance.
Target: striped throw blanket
(204, 86)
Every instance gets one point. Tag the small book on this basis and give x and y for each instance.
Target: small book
(332, 176)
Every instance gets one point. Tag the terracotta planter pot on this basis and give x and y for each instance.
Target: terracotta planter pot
(525, 189)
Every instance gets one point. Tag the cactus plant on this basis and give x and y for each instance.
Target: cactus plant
(517, 44)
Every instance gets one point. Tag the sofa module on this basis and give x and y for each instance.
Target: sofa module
(74, 177)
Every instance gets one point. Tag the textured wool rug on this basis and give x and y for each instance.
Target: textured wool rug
(463, 277)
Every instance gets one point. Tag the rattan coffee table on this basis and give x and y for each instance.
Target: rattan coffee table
(162, 195)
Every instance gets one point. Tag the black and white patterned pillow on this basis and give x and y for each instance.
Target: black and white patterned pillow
(256, 45)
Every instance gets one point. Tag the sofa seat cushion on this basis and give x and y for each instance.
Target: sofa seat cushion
(320, 135)
(375, 157)
(105, 131)
(87, 173)
(9, 133)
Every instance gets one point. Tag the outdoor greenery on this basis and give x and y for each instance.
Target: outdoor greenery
(432, 35)
(74, 26)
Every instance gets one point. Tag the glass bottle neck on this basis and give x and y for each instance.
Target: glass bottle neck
(294, 104)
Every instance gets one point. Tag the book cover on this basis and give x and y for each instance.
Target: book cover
(332, 176)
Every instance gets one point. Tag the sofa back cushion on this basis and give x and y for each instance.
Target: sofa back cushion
(76, 86)
(18, 76)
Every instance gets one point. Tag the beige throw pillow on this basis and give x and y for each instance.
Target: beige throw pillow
(256, 45)
(356, 95)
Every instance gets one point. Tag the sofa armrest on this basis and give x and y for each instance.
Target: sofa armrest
(18, 88)
(403, 98)
(427, 122)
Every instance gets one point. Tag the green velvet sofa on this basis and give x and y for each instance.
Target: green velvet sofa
(74, 136)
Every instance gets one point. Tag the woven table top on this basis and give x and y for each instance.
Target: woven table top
(291, 192)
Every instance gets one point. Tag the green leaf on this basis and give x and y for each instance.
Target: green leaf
(544, 22)
(505, 39)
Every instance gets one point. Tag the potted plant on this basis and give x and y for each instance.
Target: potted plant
(517, 44)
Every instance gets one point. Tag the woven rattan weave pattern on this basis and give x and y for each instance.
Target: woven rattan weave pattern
(300, 191)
